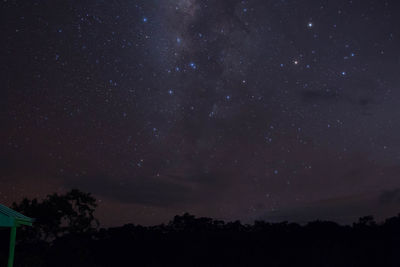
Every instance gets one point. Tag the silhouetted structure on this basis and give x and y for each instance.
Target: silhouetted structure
(12, 219)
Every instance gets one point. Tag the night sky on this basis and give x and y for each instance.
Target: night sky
(258, 109)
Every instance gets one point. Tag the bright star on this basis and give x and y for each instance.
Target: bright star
(193, 65)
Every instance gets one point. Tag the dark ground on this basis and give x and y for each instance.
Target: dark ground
(190, 241)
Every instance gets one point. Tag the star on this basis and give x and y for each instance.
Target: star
(193, 65)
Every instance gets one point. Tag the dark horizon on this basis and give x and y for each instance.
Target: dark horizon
(299, 215)
(59, 237)
(235, 110)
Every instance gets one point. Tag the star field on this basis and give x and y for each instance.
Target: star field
(226, 109)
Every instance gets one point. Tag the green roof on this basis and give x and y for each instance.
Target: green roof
(10, 218)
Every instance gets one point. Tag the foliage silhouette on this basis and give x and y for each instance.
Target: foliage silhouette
(57, 215)
(190, 241)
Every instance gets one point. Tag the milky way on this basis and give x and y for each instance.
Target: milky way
(277, 110)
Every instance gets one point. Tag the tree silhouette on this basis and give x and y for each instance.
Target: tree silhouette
(67, 221)
(57, 215)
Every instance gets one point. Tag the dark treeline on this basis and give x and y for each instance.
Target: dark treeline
(67, 234)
